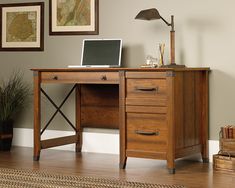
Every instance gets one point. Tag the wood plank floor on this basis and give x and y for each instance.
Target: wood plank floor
(190, 173)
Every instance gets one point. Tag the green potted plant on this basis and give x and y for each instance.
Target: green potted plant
(13, 95)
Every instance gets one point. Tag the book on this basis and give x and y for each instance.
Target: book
(228, 131)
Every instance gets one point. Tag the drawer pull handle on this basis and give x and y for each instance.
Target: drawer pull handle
(147, 133)
(55, 78)
(103, 77)
(147, 88)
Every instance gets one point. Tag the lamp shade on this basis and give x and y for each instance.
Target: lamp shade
(148, 14)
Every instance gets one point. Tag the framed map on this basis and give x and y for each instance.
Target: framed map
(22, 27)
(73, 17)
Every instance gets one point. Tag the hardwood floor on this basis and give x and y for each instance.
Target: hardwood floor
(190, 173)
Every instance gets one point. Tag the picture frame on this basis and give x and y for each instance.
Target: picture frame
(22, 26)
(74, 17)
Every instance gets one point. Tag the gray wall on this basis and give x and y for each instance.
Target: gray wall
(204, 37)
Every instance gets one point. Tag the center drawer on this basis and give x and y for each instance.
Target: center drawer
(146, 132)
(81, 77)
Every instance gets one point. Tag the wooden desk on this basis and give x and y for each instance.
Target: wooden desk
(161, 113)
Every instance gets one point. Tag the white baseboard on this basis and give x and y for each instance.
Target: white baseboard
(97, 142)
(213, 148)
(107, 142)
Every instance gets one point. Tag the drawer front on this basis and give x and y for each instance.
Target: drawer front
(146, 91)
(146, 132)
(80, 77)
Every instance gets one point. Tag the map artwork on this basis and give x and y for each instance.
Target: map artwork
(73, 12)
(21, 26)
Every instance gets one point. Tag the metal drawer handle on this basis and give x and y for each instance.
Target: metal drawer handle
(147, 133)
(55, 78)
(146, 88)
(103, 77)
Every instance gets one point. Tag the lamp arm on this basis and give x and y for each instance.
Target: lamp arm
(169, 24)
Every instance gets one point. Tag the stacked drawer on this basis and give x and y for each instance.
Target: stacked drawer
(146, 116)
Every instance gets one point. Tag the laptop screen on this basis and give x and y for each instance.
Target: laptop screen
(101, 52)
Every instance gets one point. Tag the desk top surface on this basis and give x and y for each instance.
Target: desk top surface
(118, 69)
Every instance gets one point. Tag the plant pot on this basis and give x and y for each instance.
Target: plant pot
(6, 135)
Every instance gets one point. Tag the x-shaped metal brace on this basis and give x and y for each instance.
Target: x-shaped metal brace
(58, 109)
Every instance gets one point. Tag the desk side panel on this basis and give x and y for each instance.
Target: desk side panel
(190, 120)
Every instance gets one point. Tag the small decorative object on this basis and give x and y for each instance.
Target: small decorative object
(161, 54)
(13, 96)
(74, 17)
(22, 27)
(151, 62)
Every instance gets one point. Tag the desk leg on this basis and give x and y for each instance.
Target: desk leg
(122, 132)
(171, 122)
(171, 166)
(37, 115)
(78, 119)
(205, 108)
(122, 120)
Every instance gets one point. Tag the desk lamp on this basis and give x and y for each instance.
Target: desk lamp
(153, 14)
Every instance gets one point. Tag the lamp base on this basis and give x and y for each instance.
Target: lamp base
(173, 65)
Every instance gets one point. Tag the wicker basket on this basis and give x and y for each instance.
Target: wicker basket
(227, 146)
(224, 163)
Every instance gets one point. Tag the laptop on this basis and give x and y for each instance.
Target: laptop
(100, 53)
